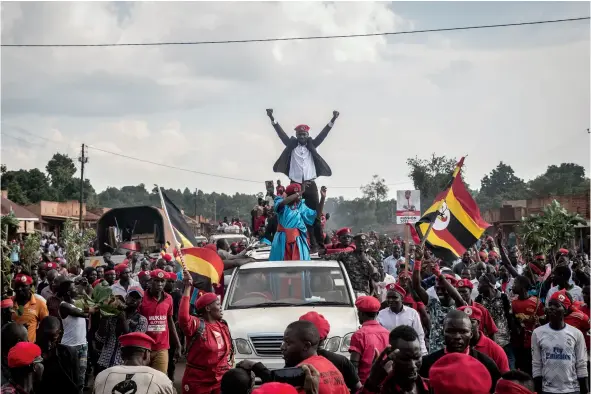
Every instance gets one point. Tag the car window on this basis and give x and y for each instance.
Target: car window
(286, 286)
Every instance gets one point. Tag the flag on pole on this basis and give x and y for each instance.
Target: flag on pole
(205, 266)
(457, 223)
(182, 231)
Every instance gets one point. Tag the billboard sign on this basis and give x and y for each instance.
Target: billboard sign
(408, 206)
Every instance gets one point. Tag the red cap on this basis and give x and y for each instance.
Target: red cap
(24, 279)
(451, 279)
(319, 321)
(144, 274)
(493, 254)
(136, 339)
(205, 299)
(344, 231)
(473, 313)
(23, 354)
(119, 268)
(275, 388)
(444, 377)
(368, 304)
(397, 288)
(465, 283)
(96, 282)
(171, 276)
(293, 188)
(509, 387)
(167, 257)
(137, 289)
(563, 251)
(7, 303)
(50, 266)
(483, 255)
(158, 274)
(302, 128)
(561, 297)
(109, 272)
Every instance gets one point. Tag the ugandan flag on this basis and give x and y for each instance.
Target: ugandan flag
(182, 230)
(457, 223)
(205, 266)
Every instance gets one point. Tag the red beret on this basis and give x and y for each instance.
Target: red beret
(137, 289)
(483, 255)
(322, 325)
(7, 303)
(444, 377)
(119, 268)
(561, 297)
(397, 288)
(563, 251)
(540, 256)
(205, 299)
(465, 283)
(302, 128)
(451, 279)
(50, 266)
(24, 279)
(489, 238)
(293, 188)
(109, 272)
(473, 313)
(167, 257)
(96, 282)
(136, 339)
(23, 354)
(275, 388)
(171, 276)
(509, 387)
(144, 274)
(158, 274)
(344, 231)
(368, 304)
(235, 244)
(493, 254)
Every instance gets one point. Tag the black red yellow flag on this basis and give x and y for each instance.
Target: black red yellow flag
(457, 223)
(182, 230)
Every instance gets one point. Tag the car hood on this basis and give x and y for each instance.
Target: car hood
(272, 320)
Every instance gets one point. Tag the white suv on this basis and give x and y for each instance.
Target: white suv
(264, 297)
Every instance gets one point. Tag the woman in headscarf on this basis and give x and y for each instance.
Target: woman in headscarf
(291, 239)
(209, 344)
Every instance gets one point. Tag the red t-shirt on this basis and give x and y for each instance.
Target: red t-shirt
(585, 309)
(157, 314)
(487, 324)
(524, 309)
(365, 341)
(581, 321)
(331, 379)
(495, 352)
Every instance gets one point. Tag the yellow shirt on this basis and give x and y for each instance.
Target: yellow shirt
(33, 312)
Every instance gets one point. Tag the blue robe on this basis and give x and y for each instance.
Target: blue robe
(292, 218)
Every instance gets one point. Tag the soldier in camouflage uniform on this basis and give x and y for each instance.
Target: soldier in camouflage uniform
(361, 268)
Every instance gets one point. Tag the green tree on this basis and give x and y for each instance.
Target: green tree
(565, 179)
(75, 241)
(376, 190)
(549, 231)
(501, 184)
(61, 170)
(431, 176)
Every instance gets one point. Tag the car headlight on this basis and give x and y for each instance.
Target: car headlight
(242, 346)
(332, 344)
(346, 342)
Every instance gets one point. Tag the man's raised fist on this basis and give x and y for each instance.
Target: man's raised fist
(269, 112)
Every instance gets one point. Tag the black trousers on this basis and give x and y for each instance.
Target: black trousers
(312, 201)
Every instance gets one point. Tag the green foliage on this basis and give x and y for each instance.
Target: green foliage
(431, 176)
(6, 263)
(31, 252)
(9, 220)
(102, 297)
(552, 229)
(376, 190)
(75, 241)
(565, 179)
(498, 186)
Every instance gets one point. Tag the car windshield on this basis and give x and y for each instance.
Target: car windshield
(288, 286)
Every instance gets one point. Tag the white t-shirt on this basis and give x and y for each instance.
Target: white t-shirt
(302, 164)
(576, 292)
(407, 317)
(132, 379)
(559, 357)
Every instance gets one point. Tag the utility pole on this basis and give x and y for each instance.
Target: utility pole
(196, 204)
(83, 159)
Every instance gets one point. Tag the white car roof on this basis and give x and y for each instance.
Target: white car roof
(218, 236)
(299, 263)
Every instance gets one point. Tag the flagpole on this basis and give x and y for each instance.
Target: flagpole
(176, 242)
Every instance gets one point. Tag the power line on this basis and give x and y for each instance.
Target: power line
(168, 165)
(300, 38)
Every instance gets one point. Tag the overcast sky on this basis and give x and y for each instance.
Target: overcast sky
(519, 94)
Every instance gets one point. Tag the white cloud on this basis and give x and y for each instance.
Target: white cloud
(202, 107)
